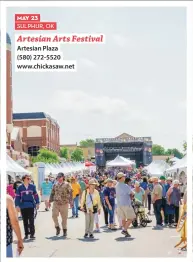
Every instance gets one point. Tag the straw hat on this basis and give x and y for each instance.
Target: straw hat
(92, 182)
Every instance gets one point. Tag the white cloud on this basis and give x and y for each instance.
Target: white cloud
(182, 105)
(120, 40)
(87, 62)
(81, 102)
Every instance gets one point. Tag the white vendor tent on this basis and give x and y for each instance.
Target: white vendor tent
(68, 168)
(157, 168)
(12, 166)
(120, 161)
(13, 169)
(180, 166)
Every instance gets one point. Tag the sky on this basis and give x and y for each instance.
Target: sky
(135, 83)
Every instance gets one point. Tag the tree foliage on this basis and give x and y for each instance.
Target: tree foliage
(158, 150)
(46, 156)
(174, 152)
(64, 152)
(185, 146)
(77, 155)
(87, 143)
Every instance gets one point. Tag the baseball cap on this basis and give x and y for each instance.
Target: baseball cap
(162, 178)
(120, 175)
(60, 175)
(176, 182)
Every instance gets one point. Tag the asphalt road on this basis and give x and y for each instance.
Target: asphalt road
(144, 242)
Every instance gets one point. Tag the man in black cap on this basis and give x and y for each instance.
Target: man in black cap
(61, 196)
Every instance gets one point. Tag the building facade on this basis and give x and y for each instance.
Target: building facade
(38, 130)
(9, 106)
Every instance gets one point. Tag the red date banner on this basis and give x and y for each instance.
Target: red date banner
(27, 17)
(32, 22)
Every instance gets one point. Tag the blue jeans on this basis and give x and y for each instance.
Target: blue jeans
(75, 206)
(9, 251)
(157, 211)
(111, 214)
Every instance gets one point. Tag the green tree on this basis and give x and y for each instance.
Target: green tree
(87, 143)
(184, 146)
(77, 155)
(158, 150)
(169, 152)
(64, 152)
(168, 160)
(174, 152)
(46, 156)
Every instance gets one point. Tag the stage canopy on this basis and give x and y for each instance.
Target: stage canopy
(120, 161)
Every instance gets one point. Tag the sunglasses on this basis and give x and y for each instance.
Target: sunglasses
(28, 178)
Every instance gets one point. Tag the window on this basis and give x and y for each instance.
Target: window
(33, 150)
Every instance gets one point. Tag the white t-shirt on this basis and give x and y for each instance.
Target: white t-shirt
(89, 201)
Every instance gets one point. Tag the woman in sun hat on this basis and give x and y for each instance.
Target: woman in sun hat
(90, 204)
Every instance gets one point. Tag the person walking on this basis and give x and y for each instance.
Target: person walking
(10, 190)
(26, 201)
(76, 192)
(164, 200)
(157, 202)
(90, 204)
(82, 183)
(46, 189)
(13, 225)
(109, 194)
(150, 189)
(61, 196)
(144, 185)
(124, 207)
(105, 210)
(16, 184)
(174, 199)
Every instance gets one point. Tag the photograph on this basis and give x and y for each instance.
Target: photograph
(96, 132)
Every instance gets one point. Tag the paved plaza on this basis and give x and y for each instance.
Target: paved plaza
(144, 242)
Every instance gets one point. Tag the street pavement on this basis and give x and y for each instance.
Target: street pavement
(144, 242)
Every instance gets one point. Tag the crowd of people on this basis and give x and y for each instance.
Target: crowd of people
(111, 194)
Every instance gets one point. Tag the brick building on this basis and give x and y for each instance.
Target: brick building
(38, 130)
(9, 106)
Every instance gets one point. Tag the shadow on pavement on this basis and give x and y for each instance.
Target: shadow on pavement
(104, 227)
(57, 238)
(109, 231)
(88, 239)
(122, 239)
(140, 227)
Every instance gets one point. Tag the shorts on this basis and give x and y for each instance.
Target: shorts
(45, 198)
(96, 218)
(9, 251)
(126, 212)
